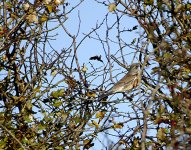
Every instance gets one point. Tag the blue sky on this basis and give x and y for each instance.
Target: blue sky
(92, 13)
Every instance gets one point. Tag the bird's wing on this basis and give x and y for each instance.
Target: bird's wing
(124, 84)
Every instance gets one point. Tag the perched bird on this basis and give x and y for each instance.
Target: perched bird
(128, 82)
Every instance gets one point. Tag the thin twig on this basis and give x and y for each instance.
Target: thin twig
(2, 126)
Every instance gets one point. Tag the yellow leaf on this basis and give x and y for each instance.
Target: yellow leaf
(21, 98)
(13, 16)
(100, 115)
(53, 73)
(50, 8)
(161, 134)
(136, 143)
(186, 69)
(118, 126)
(4, 58)
(57, 2)
(15, 97)
(91, 124)
(63, 118)
(95, 123)
(167, 55)
(37, 89)
(112, 7)
(2, 119)
(32, 18)
(26, 6)
(47, 1)
(188, 130)
(86, 142)
(179, 7)
(91, 94)
(84, 68)
(29, 105)
(43, 18)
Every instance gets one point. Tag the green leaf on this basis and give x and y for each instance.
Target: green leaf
(149, 2)
(59, 148)
(25, 140)
(57, 104)
(9, 5)
(41, 127)
(28, 118)
(58, 93)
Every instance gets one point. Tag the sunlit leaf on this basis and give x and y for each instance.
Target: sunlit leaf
(2, 119)
(32, 18)
(57, 2)
(26, 6)
(49, 8)
(53, 73)
(188, 6)
(58, 104)
(188, 130)
(91, 94)
(95, 123)
(186, 69)
(47, 1)
(59, 148)
(100, 115)
(178, 8)
(4, 58)
(41, 127)
(28, 118)
(58, 93)
(25, 140)
(118, 126)
(29, 105)
(13, 16)
(16, 98)
(9, 5)
(43, 18)
(86, 142)
(112, 7)
(149, 2)
(161, 134)
(136, 143)
(84, 68)
(167, 55)
(37, 89)
(77, 119)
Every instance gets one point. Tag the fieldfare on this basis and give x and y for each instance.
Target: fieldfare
(131, 80)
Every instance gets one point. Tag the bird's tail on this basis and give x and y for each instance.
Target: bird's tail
(104, 95)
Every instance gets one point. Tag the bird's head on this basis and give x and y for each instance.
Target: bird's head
(134, 68)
